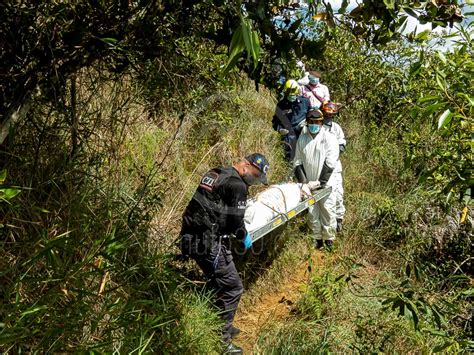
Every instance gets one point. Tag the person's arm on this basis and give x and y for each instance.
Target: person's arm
(280, 120)
(326, 95)
(276, 123)
(301, 174)
(304, 80)
(236, 202)
(341, 139)
(332, 155)
(298, 158)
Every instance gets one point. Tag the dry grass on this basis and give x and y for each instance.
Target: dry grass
(242, 126)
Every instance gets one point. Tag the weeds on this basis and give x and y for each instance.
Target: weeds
(85, 247)
(382, 293)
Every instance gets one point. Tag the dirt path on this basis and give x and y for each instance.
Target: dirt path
(275, 305)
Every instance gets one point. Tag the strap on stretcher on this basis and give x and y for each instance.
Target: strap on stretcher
(285, 217)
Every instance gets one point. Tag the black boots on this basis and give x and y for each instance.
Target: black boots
(339, 225)
(319, 244)
(232, 349)
(328, 244)
(234, 332)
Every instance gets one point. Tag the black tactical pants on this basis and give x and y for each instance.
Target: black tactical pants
(223, 278)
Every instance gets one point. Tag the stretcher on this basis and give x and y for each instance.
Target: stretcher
(282, 218)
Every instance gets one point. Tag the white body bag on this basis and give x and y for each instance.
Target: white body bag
(270, 203)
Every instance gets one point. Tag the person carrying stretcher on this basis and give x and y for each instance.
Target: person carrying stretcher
(316, 156)
(217, 209)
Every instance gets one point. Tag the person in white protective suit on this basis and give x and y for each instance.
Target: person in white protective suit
(316, 157)
(329, 110)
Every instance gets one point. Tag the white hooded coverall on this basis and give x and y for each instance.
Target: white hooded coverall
(338, 189)
(312, 153)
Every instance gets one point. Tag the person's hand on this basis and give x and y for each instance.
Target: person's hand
(305, 191)
(302, 124)
(247, 241)
(314, 185)
(283, 131)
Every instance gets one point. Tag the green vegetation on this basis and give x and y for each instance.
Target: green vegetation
(401, 278)
(398, 281)
(109, 114)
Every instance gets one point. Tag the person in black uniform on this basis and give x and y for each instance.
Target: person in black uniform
(216, 210)
(290, 117)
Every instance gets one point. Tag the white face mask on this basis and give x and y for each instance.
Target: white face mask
(313, 80)
(314, 128)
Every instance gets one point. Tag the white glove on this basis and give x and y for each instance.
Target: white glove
(305, 192)
(313, 185)
(283, 131)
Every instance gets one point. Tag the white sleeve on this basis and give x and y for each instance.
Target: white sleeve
(304, 80)
(298, 158)
(326, 93)
(340, 134)
(332, 150)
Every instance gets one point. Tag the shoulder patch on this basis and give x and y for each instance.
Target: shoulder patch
(208, 181)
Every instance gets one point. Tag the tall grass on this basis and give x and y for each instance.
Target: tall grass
(87, 246)
(392, 226)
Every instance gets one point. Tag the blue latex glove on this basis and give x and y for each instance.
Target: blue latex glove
(247, 241)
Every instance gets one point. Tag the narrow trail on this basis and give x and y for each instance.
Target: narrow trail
(276, 305)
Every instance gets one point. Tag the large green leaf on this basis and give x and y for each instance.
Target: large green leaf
(442, 57)
(402, 24)
(7, 194)
(294, 26)
(441, 82)
(343, 7)
(257, 48)
(428, 98)
(410, 12)
(244, 38)
(423, 36)
(251, 42)
(390, 4)
(434, 108)
(236, 48)
(445, 118)
(247, 36)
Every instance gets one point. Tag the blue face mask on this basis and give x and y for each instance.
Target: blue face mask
(313, 80)
(314, 128)
(291, 98)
